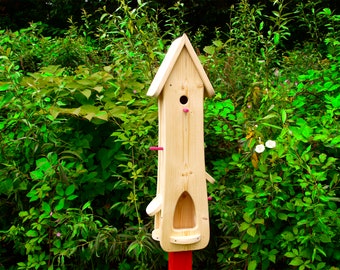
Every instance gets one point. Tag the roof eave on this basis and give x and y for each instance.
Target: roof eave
(168, 63)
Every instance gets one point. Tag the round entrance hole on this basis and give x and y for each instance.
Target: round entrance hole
(183, 100)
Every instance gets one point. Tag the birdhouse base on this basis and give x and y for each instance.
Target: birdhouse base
(185, 240)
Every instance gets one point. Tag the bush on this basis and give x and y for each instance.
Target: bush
(77, 175)
(276, 207)
(73, 157)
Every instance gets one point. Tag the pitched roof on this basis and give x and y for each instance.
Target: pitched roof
(168, 63)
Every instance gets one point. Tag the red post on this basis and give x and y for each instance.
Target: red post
(180, 260)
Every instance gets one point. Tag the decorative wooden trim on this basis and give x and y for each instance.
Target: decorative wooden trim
(168, 63)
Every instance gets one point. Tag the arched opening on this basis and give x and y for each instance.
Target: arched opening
(185, 214)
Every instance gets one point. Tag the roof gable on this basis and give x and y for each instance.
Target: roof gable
(168, 63)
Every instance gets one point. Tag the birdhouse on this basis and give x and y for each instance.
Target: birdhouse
(181, 205)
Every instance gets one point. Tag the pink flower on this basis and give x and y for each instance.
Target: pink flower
(58, 234)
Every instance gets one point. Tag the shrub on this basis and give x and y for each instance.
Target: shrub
(76, 173)
(73, 166)
(276, 207)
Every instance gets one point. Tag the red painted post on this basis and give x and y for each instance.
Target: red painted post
(180, 260)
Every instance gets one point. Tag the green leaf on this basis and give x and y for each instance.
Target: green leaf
(296, 261)
(252, 265)
(86, 205)
(6, 186)
(324, 198)
(4, 87)
(235, 243)
(258, 221)
(322, 158)
(244, 226)
(269, 116)
(330, 161)
(272, 258)
(209, 49)
(276, 13)
(290, 254)
(247, 217)
(102, 115)
(218, 43)
(282, 216)
(37, 175)
(325, 238)
(251, 231)
(57, 243)
(283, 116)
(244, 246)
(103, 16)
(235, 157)
(23, 214)
(335, 141)
(60, 204)
(33, 195)
(87, 82)
(247, 189)
(87, 93)
(326, 11)
(32, 233)
(288, 236)
(6, 99)
(72, 197)
(276, 38)
(60, 190)
(261, 26)
(43, 164)
(46, 207)
(270, 125)
(70, 190)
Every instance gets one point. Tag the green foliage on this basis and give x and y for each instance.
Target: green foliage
(75, 171)
(276, 207)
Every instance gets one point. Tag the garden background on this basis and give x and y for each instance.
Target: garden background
(76, 174)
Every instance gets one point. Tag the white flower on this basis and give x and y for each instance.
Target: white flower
(259, 148)
(270, 144)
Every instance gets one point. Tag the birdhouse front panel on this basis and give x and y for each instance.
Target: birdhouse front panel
(181, 206)
(184, 217)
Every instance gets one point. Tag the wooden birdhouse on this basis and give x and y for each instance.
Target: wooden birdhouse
(181, 205)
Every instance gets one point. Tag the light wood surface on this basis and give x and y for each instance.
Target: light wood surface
(181, 205)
